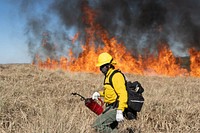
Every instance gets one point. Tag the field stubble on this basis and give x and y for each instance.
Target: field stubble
(33, 100)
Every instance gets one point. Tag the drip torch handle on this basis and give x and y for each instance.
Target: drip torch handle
(102, 103)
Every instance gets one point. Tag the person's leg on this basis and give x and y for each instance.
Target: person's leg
(106, 123)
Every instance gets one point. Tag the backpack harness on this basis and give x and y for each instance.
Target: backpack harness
(134, 90)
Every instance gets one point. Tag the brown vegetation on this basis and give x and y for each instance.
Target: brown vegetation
(33, 100)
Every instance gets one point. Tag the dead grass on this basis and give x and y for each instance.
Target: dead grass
(39, 101)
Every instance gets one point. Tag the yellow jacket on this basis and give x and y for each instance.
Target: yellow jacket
(109, 93)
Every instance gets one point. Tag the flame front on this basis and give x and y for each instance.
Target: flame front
(195, 62)
(163, 63)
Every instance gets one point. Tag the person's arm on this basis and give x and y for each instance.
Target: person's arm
(120, 88)
(101, 92)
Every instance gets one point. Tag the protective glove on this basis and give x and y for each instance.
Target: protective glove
(119, 115)
(95, 95)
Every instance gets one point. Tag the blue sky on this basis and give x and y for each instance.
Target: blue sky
(13, 48)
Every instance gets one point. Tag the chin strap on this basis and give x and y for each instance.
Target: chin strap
(111, 60)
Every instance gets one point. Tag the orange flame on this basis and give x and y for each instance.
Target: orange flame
(163, 63)
(195, 62)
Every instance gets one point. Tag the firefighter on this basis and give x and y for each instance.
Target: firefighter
(115, 98)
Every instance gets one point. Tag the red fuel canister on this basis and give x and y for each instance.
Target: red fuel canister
(94, 106)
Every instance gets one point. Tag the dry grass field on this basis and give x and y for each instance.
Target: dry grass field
(33, 100)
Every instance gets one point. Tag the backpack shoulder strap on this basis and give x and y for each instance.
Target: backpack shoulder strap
(110, 79)
(111, 76)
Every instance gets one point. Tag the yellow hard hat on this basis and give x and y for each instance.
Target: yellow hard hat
(105, 58)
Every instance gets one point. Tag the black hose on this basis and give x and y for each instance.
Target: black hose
(82, 98)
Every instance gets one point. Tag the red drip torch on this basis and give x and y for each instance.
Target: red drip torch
(92, 104)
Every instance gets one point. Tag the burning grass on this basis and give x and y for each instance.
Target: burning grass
(37, 100)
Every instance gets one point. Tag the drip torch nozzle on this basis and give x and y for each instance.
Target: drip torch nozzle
(82, 98)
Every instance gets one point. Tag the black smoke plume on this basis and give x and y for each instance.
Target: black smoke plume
(139, 24)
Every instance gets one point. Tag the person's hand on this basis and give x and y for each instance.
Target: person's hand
(119, 115)
(95, 95)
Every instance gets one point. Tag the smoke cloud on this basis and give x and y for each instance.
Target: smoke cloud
(139, 24)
